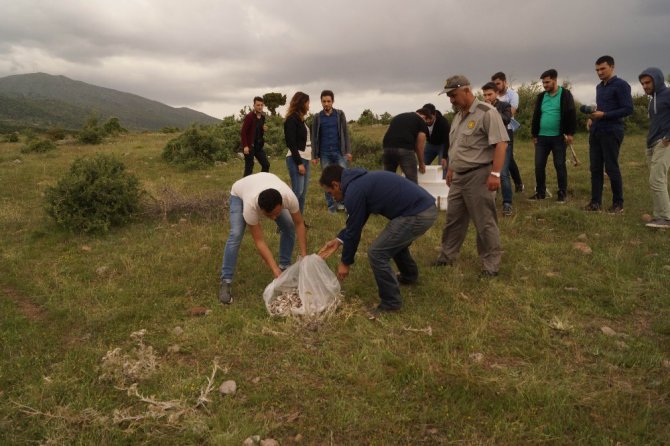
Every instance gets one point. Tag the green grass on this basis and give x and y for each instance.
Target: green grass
(520, 359)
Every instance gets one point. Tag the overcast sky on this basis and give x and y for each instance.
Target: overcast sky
(386, 55)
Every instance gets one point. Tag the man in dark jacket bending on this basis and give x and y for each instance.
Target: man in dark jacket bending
(410, 209)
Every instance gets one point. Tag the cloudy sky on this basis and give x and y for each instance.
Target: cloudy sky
(386, 55)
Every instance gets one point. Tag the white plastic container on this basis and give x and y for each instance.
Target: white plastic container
(433, 182)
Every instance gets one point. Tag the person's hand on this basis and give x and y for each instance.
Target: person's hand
(568, 139)
(348, 156)
(265, 127)
(450, 176)
(276, 271)
(301, 169)
(588, 124)
(493, 183)
(422, 168)
(246, 150)
(329, 248)
(342, 271)
(597, 114)
(665, 141)
(534, 140)
(315, 161)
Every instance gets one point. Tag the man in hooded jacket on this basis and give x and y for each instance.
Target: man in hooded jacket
(410, 209)
(658, 144)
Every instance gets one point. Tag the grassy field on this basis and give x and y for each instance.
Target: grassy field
(564, 347)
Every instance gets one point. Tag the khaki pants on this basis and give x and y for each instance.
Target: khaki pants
(469, 198)
(658, 159)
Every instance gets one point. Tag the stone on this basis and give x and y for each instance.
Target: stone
(178, 331)
(269, 442)
(582, 237)
(102, 270)
(647, 218)
(198, 311)
(583, 247)
(174, 348)
(477, 357)
(607, 331)
(228, 387)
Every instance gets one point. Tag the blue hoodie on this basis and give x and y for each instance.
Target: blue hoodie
(659, 107)
(378, 192)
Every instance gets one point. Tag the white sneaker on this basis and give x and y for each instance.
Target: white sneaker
(660, 223)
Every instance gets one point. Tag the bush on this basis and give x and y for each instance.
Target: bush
(113, 127)
(90, 135)
(95, 195)
(12, 137)
(38, 146)
(56, 133)
(196, 147)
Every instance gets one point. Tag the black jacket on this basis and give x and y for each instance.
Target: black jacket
(440, 133)
(295, 134)
(568, 114)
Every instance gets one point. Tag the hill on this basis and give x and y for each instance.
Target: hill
(43, 100)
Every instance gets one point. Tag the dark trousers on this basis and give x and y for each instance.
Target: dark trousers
(604, 150)
(556, 146)
(262, 158)
(403, 158)
(514, 171)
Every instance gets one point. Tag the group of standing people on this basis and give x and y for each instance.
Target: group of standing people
(476, 151)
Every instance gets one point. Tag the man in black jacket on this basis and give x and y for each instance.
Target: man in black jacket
(554, 123)
(437, 142)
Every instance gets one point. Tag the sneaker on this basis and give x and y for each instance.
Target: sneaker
(536, 196)
(485, 274)
(507, 209)
(592, 207)
(340, 207)
(615, 209)
(402, 280)
(332, 209)
(561, 198)
(378, 312)
(224, 293)
(660, 223)
(518, 188)
(440, 262)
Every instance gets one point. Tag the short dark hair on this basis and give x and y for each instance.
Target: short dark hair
(331, 173)
(425, 112)
(609, 60)
(499, 75)
(490, 86)
(327, 93)
(258, 99)
(552, 73)
(269, 199)
(430, 107)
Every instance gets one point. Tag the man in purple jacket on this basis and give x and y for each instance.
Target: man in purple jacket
(613, 103)
(252, 135)
(411, 211)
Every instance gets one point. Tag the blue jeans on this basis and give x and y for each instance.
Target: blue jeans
(403, 158)
(432, 151)
(544, 146)
(505, 180)
(327, 158)
(604, 149)
(393, 243)
(298, 182)
(237, 227)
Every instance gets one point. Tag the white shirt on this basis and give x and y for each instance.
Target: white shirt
(250, 187)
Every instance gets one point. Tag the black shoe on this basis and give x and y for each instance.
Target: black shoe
(485, 274)
(519, 188)
(378, 312)
(536, 196)
(615, 209)
(402, 280)
(561, 197)
(440, 262)
(592, 207)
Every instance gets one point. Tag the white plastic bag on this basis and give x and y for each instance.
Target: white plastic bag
(317, 286)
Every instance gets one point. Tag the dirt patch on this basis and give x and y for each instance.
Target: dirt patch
(26, 306)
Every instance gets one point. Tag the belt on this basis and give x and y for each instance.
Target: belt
(474, 168)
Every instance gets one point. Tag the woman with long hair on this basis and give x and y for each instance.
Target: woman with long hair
(296, 134)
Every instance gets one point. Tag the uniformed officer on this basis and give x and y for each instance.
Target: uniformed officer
(478, 140)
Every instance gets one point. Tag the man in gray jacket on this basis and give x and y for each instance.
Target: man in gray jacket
(658, 144)
(330, 138)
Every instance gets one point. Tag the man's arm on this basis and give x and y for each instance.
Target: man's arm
(301, 232)
(244, 133)
(347, 139)
(420, 145)
(493, 182)
(263, 250)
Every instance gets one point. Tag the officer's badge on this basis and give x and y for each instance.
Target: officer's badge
(471, 124)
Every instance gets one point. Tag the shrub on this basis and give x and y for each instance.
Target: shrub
(38, 146)
(90, 135)
(113, 127)
(196, 147)
(95, 195)
(12, 137)
(56, 133)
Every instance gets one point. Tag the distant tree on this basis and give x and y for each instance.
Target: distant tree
(385, 118)
(273, 101)
(368, 118)
(113, 127)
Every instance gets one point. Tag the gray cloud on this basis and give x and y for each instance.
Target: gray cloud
(386, 55)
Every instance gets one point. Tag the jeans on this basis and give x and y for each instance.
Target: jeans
(237, 227)
(658, 158)
(262, 158)
(604, 149)
(505, 181)
(327, 158)
(544, 146)
(299, 182)
(405, 158)
(393, 243)
(432, 151)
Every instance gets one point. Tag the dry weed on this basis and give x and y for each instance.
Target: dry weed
(167, 202)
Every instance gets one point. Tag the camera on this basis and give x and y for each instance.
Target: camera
(587, 109)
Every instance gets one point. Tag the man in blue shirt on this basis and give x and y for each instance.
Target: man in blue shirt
(613, 103)
(411, 212)
(330, 138)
